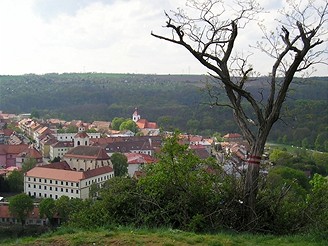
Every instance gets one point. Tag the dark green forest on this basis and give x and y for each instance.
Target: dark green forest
(174, 101)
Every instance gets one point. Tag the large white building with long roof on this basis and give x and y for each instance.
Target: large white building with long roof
(83, 166)
(57, 179)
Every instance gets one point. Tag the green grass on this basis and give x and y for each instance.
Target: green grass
(163, 237)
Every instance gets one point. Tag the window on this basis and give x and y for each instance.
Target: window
(77, 191)
(71, 190)
(29, 185)
(66, 190)
(56, 189)
(62, 182)
(34, 186)
(50, 188)
(28, 179)
(62, 189)
(39, 180)
(56, 196)
(34, 179)
(45, 187)
(39, 186)
(39, 194)
(56, 182)
(66, 183)
(45, 181)
(50, 181)
(71, 183)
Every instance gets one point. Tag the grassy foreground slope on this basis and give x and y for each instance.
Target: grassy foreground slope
(163, 237)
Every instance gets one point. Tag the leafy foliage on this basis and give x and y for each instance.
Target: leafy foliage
(20, 206)
(16, 181)
(120, 164)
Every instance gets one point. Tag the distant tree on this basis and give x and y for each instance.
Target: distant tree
(321, 142)
(28, 164)
(129, 125)
(120, 164)
(193, 125)
(62, 207)
(35, 114)
(21, 206)
(47, 209)
(280, 157)
(94, 189)
(4, 186)
(92, 130)
(16, 181)
(65, 207)
(210, 32)
(56, 159)
(116, 123)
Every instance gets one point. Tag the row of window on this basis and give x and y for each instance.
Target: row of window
(45, 195)
(100, 179)
(53, 181)
(52, 188)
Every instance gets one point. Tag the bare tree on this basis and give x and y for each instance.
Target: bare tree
(294, 47)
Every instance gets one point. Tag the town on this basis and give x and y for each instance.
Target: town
(68, 158)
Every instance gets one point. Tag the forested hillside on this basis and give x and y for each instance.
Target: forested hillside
(174, 101)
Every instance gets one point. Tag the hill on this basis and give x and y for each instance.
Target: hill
(174, 101)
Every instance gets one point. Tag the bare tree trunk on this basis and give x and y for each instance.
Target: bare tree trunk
(251, 185)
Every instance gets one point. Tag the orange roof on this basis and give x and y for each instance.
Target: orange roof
(232, 135)
(59, 174)
(143, 123)
(66, 175)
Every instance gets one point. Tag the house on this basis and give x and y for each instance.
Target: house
(233, 137)
(136, 161)
(29, 153)
(8, 154)
(143, 123)
(82, 158)
(45, 144)
(144, 145)
(59, 149)
(33, 218)
(58, 179)
(102, 126)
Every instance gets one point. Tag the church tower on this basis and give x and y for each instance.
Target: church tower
(136, 115)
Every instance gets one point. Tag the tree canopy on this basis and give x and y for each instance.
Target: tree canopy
(21, 206)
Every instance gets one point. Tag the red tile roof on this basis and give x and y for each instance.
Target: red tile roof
(87, 152)
(13, 149)
(138, 158)
(81, 135)
(97, 171)
(4, 212)
(58, 165)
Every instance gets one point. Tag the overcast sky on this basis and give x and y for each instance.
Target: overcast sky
(112, 36)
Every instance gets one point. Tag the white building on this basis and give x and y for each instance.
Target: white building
(83, 158)
(59, 149)
(70, 136)
(51, 181)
